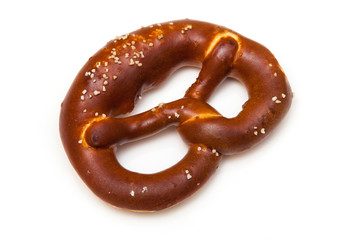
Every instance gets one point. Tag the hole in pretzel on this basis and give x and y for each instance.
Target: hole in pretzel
(171, 89)
(153, 154)
(229, 97)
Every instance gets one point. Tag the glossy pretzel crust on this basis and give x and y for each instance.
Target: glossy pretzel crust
(115, 77)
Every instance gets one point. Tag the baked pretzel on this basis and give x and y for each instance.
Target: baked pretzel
(92, 122)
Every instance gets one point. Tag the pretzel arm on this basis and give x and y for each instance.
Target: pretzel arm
(110, 131)
(216, 66)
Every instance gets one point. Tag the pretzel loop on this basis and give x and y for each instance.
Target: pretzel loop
(114, 78)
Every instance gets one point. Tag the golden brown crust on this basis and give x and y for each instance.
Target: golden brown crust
(114, 78)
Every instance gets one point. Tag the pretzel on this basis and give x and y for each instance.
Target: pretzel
(93, 122)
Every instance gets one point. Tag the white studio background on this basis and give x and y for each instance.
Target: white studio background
(303, 182)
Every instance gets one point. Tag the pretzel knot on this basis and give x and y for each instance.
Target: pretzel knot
(108, 86)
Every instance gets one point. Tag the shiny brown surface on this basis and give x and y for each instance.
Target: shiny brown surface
(112, 80)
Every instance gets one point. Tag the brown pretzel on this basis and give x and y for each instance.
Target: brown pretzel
(113, 79)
